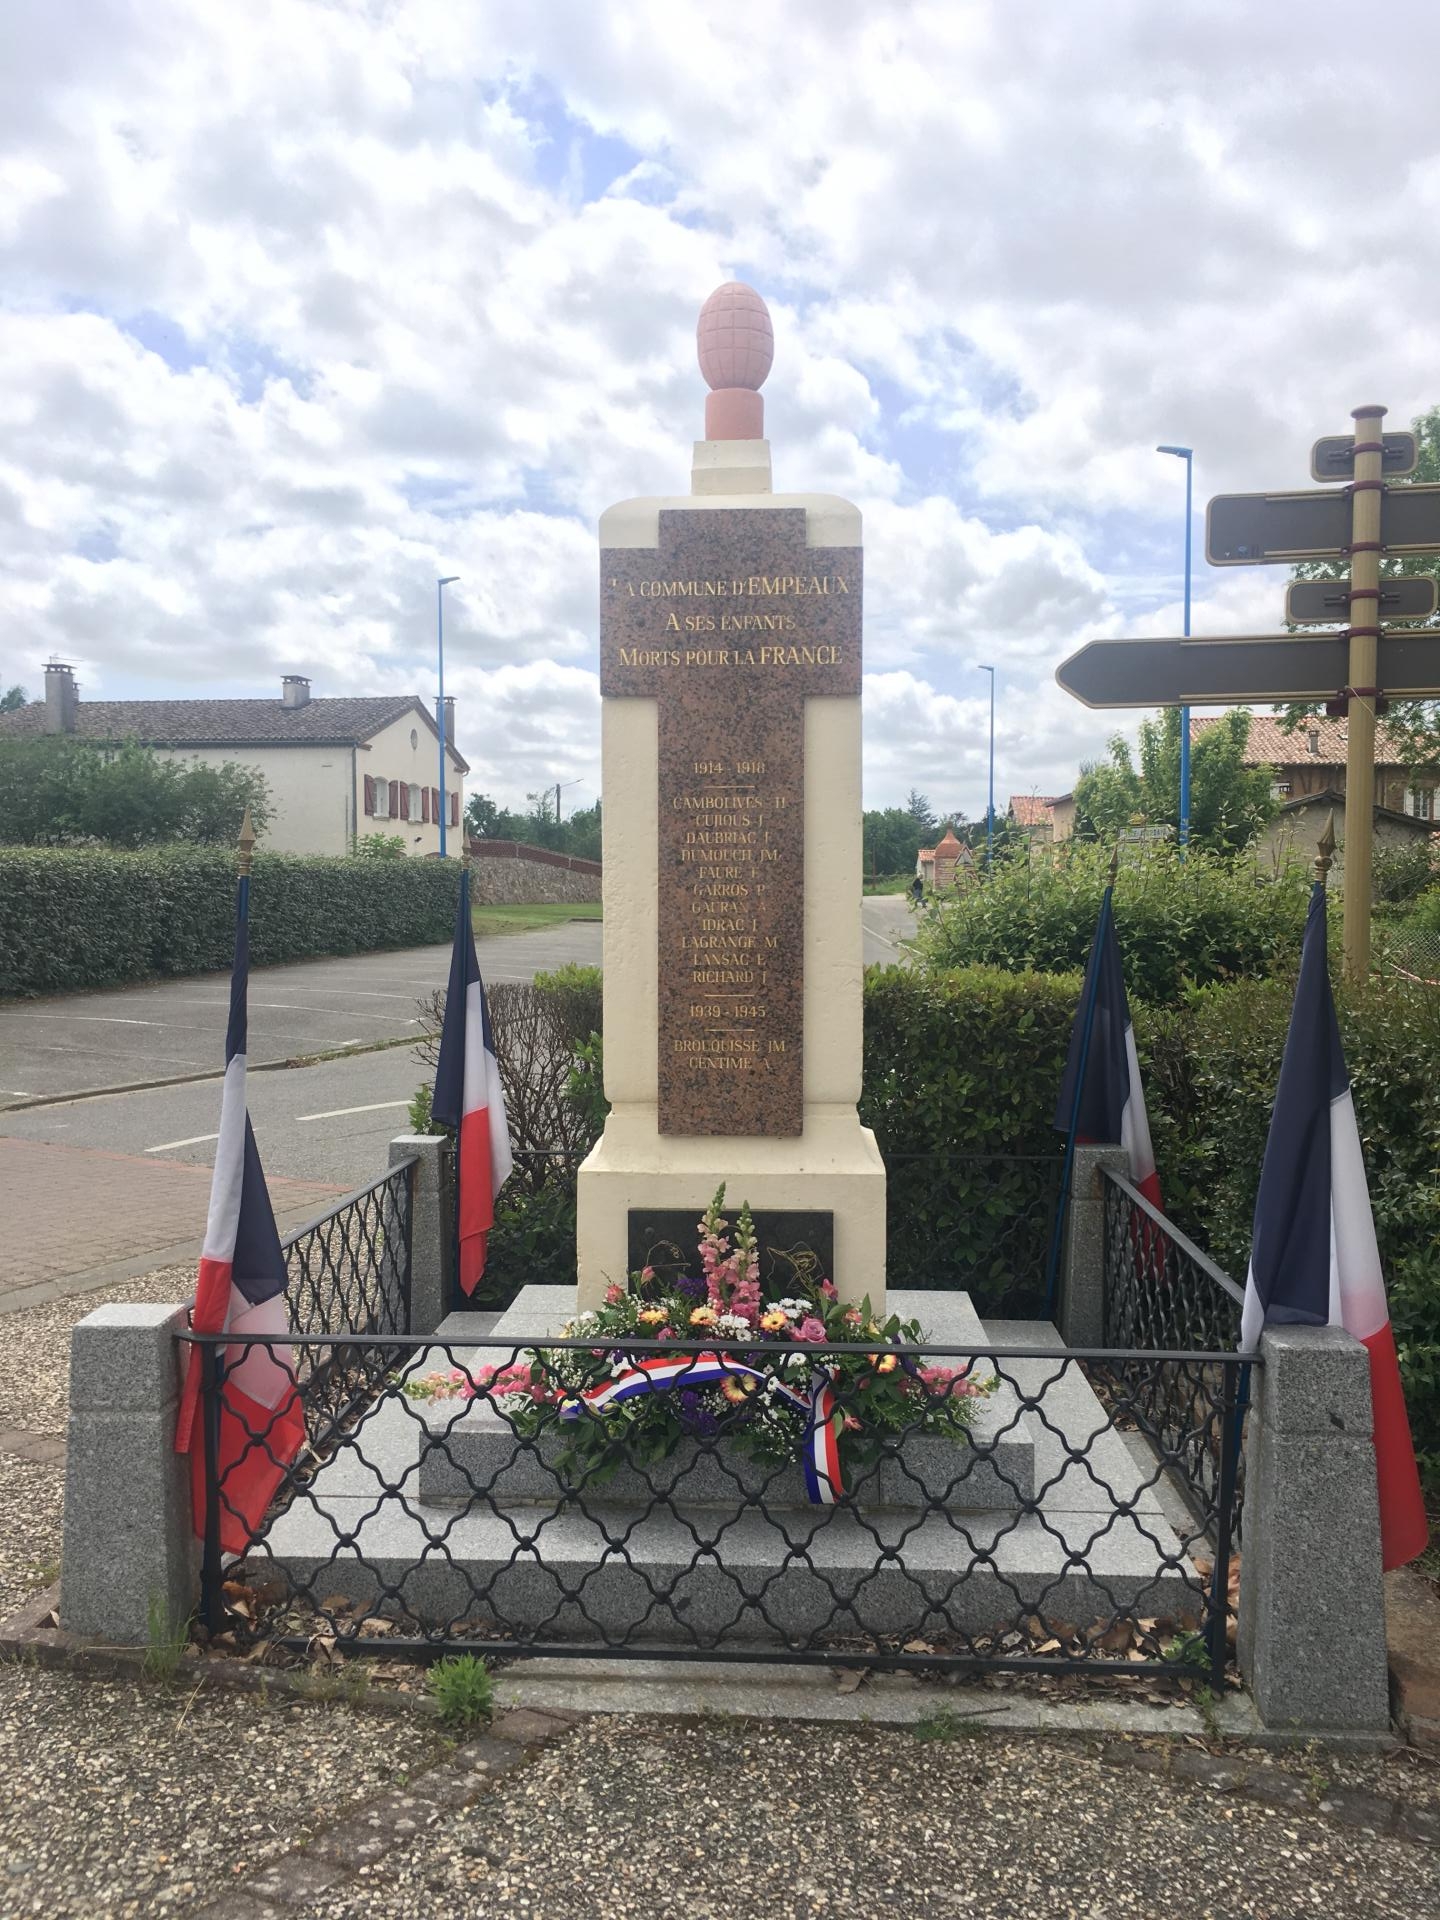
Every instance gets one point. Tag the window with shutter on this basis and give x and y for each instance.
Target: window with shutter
(370, 793)
(454, 809)
(404, 800)
(425, 806)
(382, 798)
(394, 799)
(435, 805)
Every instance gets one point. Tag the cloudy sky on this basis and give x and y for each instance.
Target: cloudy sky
(304, 301)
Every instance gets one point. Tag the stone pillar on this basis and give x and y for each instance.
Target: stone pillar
(1082, 1250)
(432, 1256)
(130, 1552)
(1312, 1605)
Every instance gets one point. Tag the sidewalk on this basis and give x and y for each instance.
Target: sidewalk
(73, 1218)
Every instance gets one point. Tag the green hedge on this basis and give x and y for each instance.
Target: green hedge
(92, 917)
(1179, 923)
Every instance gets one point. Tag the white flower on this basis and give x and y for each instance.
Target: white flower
(735, 1325)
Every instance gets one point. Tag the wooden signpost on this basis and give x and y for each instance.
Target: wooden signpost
(1353, 669)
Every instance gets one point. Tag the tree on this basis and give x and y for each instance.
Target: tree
(57, 790)
(482, 818)
(921, 812)
(1229, 802)
(891, 840)
(1412, 727)
(13, 699)
(578, 834)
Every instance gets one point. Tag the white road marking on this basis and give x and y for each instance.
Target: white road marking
(338, 1113)
(195, 1140)
(98, 1019)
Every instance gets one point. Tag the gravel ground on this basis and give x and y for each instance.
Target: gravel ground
(30, 1536)
(125, 1801)
(635, 1817)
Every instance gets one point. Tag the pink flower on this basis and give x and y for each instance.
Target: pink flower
(614, 1294)
(811, 1329)
(827, 1287)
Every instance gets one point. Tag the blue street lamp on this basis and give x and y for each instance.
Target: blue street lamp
(440, 586)
(990, 804)
(1187, 455)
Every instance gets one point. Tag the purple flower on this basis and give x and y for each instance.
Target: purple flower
(692, 1288)
(694, 1417)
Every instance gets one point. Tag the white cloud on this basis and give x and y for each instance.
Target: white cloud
(304, 304)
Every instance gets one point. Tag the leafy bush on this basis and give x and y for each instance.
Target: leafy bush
(95, 917)
(1211, 1068)
(461, 1687)
(58, 790)
(1403, 872)
(1179, 922)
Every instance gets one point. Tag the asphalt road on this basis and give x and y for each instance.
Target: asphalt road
(78, 1042)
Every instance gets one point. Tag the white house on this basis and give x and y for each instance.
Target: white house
(338, 769)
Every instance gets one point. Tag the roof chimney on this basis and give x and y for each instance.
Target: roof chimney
(62, 697)
(1315, 741)
(294, 691)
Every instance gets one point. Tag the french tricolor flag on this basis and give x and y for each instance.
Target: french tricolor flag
(468, 1097)
(241, 1290)
(1314, 1261)
(1101, 1099)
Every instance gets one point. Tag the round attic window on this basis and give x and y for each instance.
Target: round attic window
(414, 738)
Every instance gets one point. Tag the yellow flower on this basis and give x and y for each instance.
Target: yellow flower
(652, 1316)
(883, 1362)
(773, 1322)
(703, 1317)
(737, 1392)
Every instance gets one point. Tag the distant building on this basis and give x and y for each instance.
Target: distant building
(1031, 813)
(1062, 817)
(1293, 835)
(1312, 760)
(947, 862)
(338, 769)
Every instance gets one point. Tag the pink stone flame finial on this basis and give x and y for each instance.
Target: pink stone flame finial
(735, 344)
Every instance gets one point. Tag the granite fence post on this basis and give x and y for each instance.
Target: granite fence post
(1312, 1603)
(130, 1554)
(1082, 1256)
(431, 1233)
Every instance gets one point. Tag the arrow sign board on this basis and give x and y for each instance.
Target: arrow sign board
(1334, 457)
(1250, 529)
(1311, 603)
(1265, 666)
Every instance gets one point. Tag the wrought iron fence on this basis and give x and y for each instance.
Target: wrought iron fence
(936, 1508)
(349, 1272)
(1162, 1291)
(973, 1222)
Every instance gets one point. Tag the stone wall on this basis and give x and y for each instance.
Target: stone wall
(508, 873)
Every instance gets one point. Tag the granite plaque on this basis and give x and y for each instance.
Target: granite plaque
(731, 624)
(796, 1248)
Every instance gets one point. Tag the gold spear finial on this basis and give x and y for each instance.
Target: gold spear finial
(1326, 853)
(246, 843)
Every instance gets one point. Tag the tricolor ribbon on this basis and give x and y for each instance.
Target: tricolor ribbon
(821, 1458)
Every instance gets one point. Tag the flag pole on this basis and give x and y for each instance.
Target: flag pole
(1230, 1461)
(1052, 1270)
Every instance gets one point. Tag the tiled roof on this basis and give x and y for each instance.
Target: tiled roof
(230, 723)
(1031, 809)
(1270, 746)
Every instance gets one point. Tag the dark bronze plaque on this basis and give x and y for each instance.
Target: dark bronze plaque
(795, 1248)
(731, 624)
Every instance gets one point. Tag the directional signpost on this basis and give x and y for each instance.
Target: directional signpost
(1354, 668)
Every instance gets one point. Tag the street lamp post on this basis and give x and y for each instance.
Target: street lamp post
(448, 580)
(990, 803)
(1187, 455)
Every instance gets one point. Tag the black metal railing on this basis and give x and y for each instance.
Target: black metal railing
(979, 1223)
(1162, 1291)
(348, 1272)
(985, 1509)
